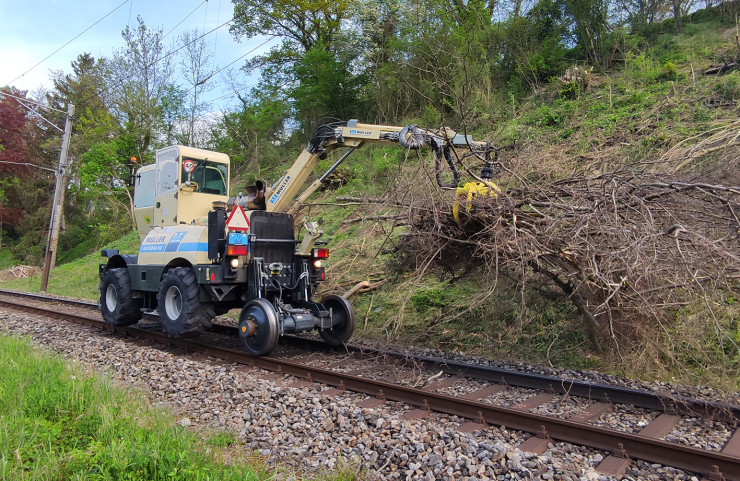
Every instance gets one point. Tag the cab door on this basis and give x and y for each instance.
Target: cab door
(144, 191)
(165, 202)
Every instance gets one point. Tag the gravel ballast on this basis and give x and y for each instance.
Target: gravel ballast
(309, 431)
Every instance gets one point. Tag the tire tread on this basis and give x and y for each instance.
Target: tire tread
(198, 314)
(130, 308)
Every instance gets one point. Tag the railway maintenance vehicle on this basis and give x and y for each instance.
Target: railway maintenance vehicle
(204, 252)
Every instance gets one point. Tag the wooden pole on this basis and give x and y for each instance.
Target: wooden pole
(56, 209)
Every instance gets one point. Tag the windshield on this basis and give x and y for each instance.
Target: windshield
(210, 176)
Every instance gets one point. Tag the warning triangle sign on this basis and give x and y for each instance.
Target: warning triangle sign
(237, 221)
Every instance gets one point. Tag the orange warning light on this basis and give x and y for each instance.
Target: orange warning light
(133, 159)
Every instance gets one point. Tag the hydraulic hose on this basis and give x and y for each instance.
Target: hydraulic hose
(444, 152)
(411, 137)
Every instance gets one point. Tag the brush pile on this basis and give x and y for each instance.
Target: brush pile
(629, 247)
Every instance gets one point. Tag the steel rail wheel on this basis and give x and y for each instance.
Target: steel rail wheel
(342, 321)
(258, 327)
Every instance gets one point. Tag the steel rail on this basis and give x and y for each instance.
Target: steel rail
(637, 446)
(657, 401)
(44, 298)
(572, 387)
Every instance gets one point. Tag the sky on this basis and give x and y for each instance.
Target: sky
(30, 30)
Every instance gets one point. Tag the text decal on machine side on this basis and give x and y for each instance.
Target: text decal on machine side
(280, 189)
(360, 132)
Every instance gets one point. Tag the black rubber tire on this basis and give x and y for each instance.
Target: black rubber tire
(117, 302)
(265, 317)
(186, 315)
(343, 320)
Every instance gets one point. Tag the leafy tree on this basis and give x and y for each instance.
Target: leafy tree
(325, 87)
(104, 171)
(138, 77)
(590, 27)
(197, 69)
(26, 190)
(253, 135)
(301, 23)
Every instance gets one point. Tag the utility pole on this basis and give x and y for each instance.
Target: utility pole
(56, 210)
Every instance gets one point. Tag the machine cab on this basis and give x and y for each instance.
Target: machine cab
(179, 188)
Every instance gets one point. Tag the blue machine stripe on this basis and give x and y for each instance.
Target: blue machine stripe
(193, 246)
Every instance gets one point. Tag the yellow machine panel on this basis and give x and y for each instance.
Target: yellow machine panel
(163, 244)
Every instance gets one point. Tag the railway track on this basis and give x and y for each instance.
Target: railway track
(361, 370)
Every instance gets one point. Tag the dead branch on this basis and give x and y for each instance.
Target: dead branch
(355, 220)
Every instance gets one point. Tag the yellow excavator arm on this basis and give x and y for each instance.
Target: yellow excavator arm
(355, 135)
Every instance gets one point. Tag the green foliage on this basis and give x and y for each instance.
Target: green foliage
(6, 258)
(728, 87)
(325, 87)
(553, 115)
(670, 72)
(424, 299)
(222, 439)
(57, 419)
(79, 277)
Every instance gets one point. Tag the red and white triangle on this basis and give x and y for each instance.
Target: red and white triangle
(238, 220)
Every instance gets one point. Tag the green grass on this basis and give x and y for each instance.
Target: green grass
(58, 422)
(77, 278)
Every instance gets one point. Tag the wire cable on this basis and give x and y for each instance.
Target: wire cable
(27, 164)
(31, 101)
(273, 37)
(218, 27)
(57, 50)
(188, 15)
(215, 39)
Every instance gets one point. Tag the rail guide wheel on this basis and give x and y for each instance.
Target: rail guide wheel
(343, 320)
(258, 327)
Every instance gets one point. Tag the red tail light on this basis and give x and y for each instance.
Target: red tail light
(237, 251)
(321, 253)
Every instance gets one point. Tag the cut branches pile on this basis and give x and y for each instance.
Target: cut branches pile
(629, 247)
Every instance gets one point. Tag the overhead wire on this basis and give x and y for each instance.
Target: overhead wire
(215, 29)
(270, 39)
(327, 2)
(32, 101)
(76, 37)
(215, 39)
(186, 17)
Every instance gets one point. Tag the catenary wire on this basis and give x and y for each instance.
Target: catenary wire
(215, 38)
(57, 50)
(186, 17)
(273, 37)
(31, 101)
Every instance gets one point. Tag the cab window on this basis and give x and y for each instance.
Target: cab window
(144, 189)
(167, 171)
(210, 177)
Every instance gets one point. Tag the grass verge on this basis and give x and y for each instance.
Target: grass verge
(77, 278)
(59, 422)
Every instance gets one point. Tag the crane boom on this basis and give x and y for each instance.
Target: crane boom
(353, 135)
